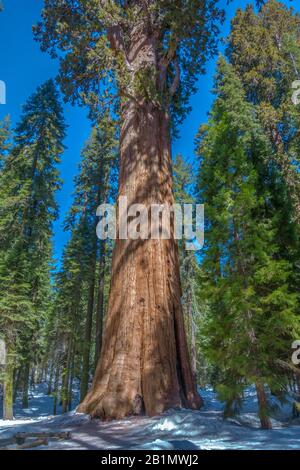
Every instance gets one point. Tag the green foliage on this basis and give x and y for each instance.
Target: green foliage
(100, 42)
(264, 51)
(183, 181)
(252, 317)
(5, 140)
(29, 180)
(77, 283)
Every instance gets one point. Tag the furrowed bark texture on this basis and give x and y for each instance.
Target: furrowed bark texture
(144, 365)
(144, 354)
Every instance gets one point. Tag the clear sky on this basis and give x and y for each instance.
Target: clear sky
(23, 67)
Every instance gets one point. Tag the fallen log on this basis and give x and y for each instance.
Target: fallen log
(32, 444)
(20, 437)
(20, 440)
(27, 445)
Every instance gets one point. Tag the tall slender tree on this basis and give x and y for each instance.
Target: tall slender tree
(253, 312)
(5, 140)
(92, 185)
(264, 51)
(263, 48)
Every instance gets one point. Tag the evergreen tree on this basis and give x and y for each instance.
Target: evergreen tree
(5, 140)
(92, 186)
(184, 189)
(28, 183)
(252, 311)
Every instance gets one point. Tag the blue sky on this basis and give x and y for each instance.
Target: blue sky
(23, 67)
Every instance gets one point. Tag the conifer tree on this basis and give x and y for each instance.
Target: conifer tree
(5, 140)
(252, 317)
(28, 183)
(92, 186)
(80, 283)
(264, 51)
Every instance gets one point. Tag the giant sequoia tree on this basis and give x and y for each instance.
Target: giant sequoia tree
(149, 53)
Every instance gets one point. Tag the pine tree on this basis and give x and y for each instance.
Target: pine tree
(28, 183)
(151, 53)
(184, 188)
(252, 311)
(92, 185)
(264, 51)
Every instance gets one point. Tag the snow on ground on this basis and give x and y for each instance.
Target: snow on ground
(41, 404)
(174, 430)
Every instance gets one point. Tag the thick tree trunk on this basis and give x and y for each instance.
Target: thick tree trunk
(262, 406)
(144, 365)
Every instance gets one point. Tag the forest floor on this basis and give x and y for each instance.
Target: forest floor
(174, 430)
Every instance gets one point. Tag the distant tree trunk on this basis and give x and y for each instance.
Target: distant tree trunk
(33, 376)
(144, 354)
(50, 379)
(67, 370)
(88, 325)
(262, 406)
(71, 378)
(193, 341)
(298, 386)
(17, 381)
(100, 303)
(8, 387)
(55, 390)
(25, 385)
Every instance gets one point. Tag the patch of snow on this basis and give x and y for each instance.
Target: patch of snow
(173, 430)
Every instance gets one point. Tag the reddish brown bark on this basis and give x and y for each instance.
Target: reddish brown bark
(144, 355)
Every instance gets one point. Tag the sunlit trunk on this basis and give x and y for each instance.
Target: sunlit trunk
(144, 365)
